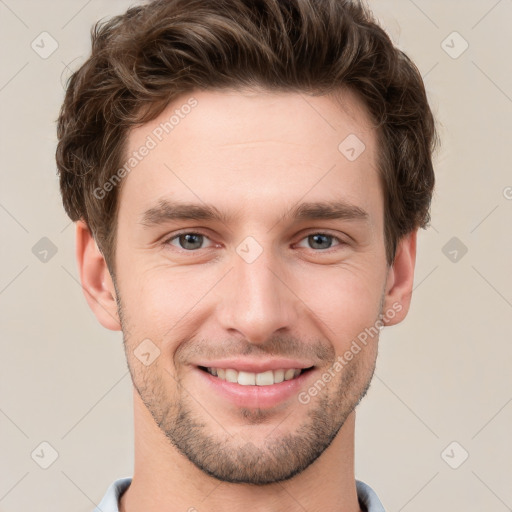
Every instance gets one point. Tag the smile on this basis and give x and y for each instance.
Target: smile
(266, 378)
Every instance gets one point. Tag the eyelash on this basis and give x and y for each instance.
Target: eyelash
(177, 235)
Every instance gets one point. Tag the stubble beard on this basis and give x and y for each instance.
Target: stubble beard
(188, 426)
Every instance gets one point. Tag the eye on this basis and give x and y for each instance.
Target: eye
(191, 241)
(322, 241)
(187, 241)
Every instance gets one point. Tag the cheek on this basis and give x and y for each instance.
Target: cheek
(345, 300)
(145, 301)
(161, 303)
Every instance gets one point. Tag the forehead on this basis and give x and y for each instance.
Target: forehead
(253, 148)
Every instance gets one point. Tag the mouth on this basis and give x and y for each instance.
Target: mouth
(254, 383)
(265, 378)
(264, 390)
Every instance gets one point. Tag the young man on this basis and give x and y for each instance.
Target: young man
(247, 180)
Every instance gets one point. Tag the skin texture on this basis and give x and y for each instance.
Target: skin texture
(255, 155)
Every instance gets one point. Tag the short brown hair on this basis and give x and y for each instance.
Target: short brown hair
(143, 59)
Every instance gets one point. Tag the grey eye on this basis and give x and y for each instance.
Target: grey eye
(188, 241)
(320, 241)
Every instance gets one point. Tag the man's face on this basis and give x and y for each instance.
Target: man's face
(260, 290)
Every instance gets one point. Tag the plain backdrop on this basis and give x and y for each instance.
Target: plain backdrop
(433, 433)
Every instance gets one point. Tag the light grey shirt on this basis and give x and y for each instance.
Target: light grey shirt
(368, 500)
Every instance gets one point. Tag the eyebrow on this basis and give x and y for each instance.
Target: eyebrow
(167, 210)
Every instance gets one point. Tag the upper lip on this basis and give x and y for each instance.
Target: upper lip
(256, 366)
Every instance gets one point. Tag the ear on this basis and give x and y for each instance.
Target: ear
(400, 281)
(96, 280)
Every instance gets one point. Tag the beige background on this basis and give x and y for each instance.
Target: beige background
(442, 376)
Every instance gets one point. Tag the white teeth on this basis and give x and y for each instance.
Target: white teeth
(251, 379)
(246, 378)
(289, 374)
(264, 379)
(231, 375)
(278, 376)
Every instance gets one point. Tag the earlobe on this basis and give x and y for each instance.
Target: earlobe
(400, 280)
(96, 280)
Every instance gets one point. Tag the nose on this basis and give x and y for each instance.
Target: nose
(257, 300)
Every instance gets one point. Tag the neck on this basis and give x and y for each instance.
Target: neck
(165, 480)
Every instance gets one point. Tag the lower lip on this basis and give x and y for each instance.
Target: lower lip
(255, 396)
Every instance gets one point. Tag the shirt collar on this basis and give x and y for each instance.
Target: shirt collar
(367, 497)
